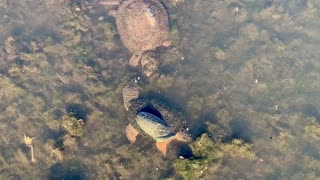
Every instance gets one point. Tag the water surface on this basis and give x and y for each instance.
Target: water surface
(246, 73)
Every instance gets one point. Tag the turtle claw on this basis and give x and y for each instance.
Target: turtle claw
(162, 147)
(131, 133)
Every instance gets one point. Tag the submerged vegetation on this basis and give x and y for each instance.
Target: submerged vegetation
(209, 156)
(73, 125)
(245, 72)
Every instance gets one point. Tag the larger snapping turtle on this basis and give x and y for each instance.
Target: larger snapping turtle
(154, 119)
(142, 25)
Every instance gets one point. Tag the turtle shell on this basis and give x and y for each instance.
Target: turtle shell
(142, 24)
(154, 119)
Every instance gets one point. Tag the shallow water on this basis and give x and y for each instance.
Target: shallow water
(244, 72)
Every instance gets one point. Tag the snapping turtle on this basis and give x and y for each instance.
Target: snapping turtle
(142, 25)
(154, 119)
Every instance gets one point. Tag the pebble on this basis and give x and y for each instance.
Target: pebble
(101, 18)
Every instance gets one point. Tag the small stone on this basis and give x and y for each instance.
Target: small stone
(236, 9)
(220, 55)
(101, 18)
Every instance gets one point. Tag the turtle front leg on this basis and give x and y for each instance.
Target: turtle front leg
(110, 3)
(166, 43)
(131, 133)
(135, 59)
(162, 147)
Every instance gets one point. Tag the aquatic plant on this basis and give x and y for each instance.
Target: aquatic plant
(9, 46)
(237, 148)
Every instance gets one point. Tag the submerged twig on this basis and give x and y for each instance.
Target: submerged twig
(60, 78)
(28, 142)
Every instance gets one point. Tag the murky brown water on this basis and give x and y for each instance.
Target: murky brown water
(244, 72)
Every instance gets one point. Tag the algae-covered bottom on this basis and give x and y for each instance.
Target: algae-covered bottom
(246, 74)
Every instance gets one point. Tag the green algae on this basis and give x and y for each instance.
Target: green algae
(209, 155)
(259, 105)
(205, 155)
(237, 148)
(73, 125)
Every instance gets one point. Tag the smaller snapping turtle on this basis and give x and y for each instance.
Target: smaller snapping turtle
(143, 25)
(154, 119)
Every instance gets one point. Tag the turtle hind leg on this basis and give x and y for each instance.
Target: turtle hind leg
(131, 133)
(162, 147)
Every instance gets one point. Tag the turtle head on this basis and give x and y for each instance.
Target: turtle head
(183, 136)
